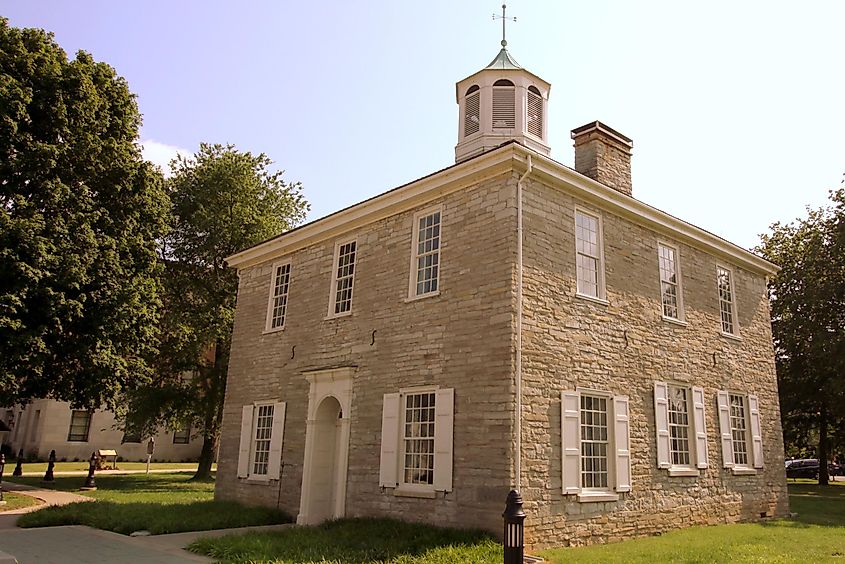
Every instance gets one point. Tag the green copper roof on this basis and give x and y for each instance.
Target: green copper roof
(503, 61)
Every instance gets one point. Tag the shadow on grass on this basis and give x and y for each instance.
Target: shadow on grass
(152, 483)
(356, 541)
(157, 518)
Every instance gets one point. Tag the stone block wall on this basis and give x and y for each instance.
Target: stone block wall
(461, 339)
(623, 347)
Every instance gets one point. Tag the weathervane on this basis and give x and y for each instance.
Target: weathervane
(504, 18)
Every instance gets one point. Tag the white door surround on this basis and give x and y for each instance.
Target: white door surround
(326, 445)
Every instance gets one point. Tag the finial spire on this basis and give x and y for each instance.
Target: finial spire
(504, 18)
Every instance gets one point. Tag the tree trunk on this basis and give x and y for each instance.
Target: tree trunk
(823, 445)
(209, 447)
(213, 412)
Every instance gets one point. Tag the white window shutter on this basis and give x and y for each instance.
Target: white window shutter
(389, 441)
(622, 439)
(246, 441)
(661, 423)
(277, 434)
(699, 427)
(444, 414)
(570, 434)
(725, 429)
(756, 435)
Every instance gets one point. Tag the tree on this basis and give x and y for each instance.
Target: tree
(223, 201)
(808, 324)
(80, 215)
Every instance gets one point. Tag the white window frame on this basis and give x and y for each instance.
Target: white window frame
(333, 291)
(752, 433)
(247, 445)
(600, 274)
(253, 445)
(734, 333)
(415, 236)
(403, 413)
(268, 327)
(696, 429)
(679, 286)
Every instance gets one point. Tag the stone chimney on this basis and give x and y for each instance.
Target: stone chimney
(603, 155)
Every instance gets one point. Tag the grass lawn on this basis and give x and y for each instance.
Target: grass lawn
(817, 534)
(159, 503)
(17, 501)
(82, 465)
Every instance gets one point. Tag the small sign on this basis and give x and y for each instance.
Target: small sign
(151, 445)
(107, 452)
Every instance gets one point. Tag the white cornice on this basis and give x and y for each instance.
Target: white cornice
(483, 167)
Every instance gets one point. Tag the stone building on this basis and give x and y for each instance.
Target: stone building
(506, 322)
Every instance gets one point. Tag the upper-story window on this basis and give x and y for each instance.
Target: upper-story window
(425, 256)
(344, 276)
(504, 104)
(727, 305)
(535, 111)
(670, 282)
(589, 255)
(472, 111)
(278, 305)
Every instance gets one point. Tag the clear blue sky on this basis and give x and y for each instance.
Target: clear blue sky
(736, 108)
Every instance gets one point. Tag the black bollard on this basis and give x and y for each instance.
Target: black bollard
(2, 467)
(89, 481)
(19, 466)
(51, 463)
(514, 538)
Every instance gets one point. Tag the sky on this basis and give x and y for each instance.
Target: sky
(736, 108)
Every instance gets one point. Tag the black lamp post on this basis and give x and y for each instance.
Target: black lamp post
(2, 467)
(514, 529)
(89, 480)
(51, 463)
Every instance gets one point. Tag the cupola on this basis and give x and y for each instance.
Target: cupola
(501, 102)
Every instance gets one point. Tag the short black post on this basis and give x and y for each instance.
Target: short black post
(19, 466)
(89, 481)
(51, 463)
(514, 538)
(2, 467)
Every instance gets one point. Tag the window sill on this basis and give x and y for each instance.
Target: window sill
(743, 471)
(422, 296)
(422, 494)
(593, 497)
(730, 336)
(271, 331)
(337, 315)
(680, 471)
(674, 321)
(592, 299)
(261, 480)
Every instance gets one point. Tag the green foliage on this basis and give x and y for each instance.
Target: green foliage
(808, 325)
(356, 541)
(80, 214)
(223, 200)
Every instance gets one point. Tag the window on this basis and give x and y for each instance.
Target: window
(471, 111)
(727, 308)
(342, 281)
(535, 112)
(131, 437)
(416, 441)
(681, 429)
(35, 422)
(182, 436)
(425, 258)
(588, 255)
(670, 282)
(80, 423)
(596, 460)
(742, 441)
(277, 308)
(262, 433)
(504, 105)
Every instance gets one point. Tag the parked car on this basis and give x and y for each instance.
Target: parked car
(804, 468)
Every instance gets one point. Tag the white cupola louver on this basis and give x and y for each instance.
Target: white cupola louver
(504, 107)
(472, 121)
(535, 112)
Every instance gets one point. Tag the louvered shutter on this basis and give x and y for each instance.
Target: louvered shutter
(471, 114)
(389, 441)
(622, 440)
(444, 412)
(246, 441)
(661, 423)
(756, 435)
(699, 427)
(723, 401)
(570, 434)
(277, 434)
(504, 114)
(535, 114)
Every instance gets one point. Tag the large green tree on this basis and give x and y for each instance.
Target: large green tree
(808, 325)
(80, 217)
(223, 201)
